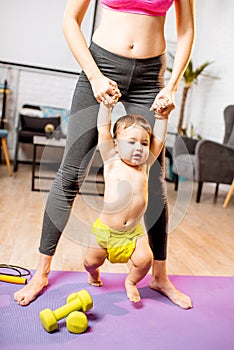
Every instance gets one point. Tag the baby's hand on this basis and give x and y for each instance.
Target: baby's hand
(163, 103)
(111, 100)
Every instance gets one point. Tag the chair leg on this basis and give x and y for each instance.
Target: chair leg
(228, 197)
(199, 191)
(216, 189)
(4, 147)
(15, 167)
(176, 180)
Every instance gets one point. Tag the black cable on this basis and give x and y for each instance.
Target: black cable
(16, 268)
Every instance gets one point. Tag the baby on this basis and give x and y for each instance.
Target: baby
(118, 234)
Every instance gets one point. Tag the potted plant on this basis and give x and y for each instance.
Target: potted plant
(190, 77)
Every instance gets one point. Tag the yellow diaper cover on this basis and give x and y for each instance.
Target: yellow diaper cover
(119, 244)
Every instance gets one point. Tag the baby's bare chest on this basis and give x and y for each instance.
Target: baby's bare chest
(126, 179)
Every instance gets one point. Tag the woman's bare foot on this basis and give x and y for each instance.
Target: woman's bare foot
(169, 290)
(161, 283)
(132, 291)
(94, 278)
(35, 286)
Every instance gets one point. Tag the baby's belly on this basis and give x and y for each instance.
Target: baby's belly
(123, 217)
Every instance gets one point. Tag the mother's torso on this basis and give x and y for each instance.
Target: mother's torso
(130, 35)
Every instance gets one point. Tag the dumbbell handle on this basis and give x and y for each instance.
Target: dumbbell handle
(66, 309)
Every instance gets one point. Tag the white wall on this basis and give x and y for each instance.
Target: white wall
(214, 42)
(34, 33)
(205, 104)
(215, 38)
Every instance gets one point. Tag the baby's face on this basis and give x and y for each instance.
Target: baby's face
(133, 145)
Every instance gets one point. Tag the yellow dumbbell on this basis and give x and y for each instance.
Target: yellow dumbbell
(77, 322)
(77, 301)
(84, 297)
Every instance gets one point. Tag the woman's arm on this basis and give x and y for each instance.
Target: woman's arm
(103, 88)
(105, 140)
(185, 27)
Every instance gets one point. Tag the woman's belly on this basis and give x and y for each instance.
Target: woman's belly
(130, 35)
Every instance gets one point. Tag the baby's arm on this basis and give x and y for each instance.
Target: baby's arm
(105, 140)
(159, 137)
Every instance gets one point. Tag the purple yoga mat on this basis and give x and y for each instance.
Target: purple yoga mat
(117, 324)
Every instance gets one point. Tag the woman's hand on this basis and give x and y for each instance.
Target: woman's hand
(164, 102)
(105, 90)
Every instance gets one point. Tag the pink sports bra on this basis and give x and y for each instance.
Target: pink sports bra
(143, 7)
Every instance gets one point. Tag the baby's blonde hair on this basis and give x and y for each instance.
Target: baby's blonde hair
(131, 120)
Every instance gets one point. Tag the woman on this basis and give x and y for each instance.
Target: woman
(125, 61)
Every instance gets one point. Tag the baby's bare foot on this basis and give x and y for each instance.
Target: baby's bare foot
(94, 279)
(132, 291)
(28, 293)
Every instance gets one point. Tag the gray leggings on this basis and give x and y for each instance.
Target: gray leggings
(139, 81)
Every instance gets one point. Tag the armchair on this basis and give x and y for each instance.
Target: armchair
(205, 160)
(32, 122)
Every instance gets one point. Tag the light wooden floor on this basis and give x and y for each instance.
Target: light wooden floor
(200, 239)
